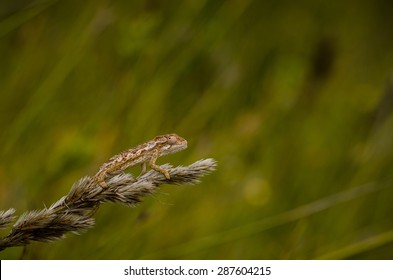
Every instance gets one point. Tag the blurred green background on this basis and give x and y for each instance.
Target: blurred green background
(293, 99)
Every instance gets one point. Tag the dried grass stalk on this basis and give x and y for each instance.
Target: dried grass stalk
(74, 212)
(6, 217)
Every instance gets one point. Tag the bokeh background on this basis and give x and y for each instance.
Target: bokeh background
(294, 100)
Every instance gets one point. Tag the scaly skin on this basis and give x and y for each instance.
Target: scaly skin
(142, 154)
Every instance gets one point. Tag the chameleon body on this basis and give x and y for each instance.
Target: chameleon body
(146, 153)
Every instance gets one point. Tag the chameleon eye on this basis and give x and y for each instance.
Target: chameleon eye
(171, 140)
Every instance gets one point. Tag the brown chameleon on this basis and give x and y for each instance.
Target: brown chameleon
(142, 154)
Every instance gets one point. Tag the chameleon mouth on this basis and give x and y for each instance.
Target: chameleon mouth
(181, 147)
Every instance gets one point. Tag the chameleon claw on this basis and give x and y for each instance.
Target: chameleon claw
(166, 174)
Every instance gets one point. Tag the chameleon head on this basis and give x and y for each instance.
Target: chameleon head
(170, 143)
